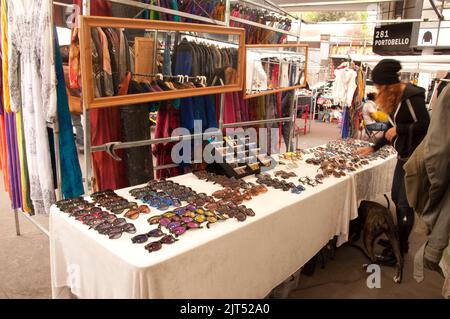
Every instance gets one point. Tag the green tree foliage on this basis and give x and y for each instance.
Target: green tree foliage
(333, 16)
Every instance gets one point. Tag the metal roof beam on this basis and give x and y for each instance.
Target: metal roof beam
(438, 13)
(330, 3)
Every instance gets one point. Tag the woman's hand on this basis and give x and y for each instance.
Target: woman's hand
(365, 151)
(391, 134)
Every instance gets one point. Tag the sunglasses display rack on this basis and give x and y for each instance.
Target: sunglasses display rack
(237, 157)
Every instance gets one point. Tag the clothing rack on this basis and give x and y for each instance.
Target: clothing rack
(55, 127)
(433, 95)
(204, 38)
(262, 26)
(111, 147)
(166, 76)
(173, 12)
(271, 7)
(119, 145)
(62, 4)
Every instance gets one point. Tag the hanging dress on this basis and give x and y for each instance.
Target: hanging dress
(30, 52)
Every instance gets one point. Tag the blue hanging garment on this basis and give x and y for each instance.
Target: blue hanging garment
(345, 124)
(71, 178)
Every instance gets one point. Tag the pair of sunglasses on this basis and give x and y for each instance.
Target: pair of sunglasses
(86, 218)
(285, 175)
(135, 212)
(157, 245)
(179, 228)
(116, 232)
(68, 203)
(115, 229)
(84, 209)
(70, 209)
(291, 156)
(298, 189)
(165, 218)
(157, 203)
(232, 213)
(136, 191)
(309, 181)
(140, 239)
(93, 223)
(275, 183)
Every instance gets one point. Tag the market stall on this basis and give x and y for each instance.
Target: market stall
(231, 259)
(109, 239)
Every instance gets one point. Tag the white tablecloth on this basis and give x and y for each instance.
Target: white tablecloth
(231, 260)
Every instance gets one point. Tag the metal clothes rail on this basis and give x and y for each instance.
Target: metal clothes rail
(273, 7)
(55, 127)
(262, 26)
(168, 11)
(110, 147)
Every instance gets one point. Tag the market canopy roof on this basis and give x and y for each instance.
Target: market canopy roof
(410, 63)
(327, 5)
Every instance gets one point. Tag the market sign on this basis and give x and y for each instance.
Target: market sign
(393, 38)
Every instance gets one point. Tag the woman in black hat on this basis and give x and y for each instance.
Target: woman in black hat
(408, 125)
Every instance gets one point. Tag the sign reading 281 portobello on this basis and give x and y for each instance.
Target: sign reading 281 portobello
(392, 38)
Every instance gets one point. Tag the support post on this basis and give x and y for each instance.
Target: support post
(16, 219)
(222, 107)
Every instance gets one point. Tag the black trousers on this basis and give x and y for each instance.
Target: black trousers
(405, 214)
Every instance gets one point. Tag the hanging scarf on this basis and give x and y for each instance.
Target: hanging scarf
(71, 179)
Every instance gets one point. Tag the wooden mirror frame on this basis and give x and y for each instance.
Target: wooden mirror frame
(88, 22)
(276, 46)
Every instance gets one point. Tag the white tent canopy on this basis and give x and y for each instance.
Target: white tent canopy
(419, 67)
(410, 63)
(403, 58)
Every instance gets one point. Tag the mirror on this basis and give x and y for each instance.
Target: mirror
(275, 68)
(129, 61)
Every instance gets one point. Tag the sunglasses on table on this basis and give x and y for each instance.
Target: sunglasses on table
(115, 229)
(110, 201)
(137, 191)
(178, 229)
(86, 218)
(298, 189)
(86, 209)
(116, 232)
(80, 206)
(309, 181)
(140, 239)
(134, 213)
(157, 245)
(285, 175)
(69, 203)
(119, 209)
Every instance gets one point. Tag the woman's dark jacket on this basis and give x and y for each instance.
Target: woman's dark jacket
(409, 133)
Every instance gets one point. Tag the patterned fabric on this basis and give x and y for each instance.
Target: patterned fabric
(5, 56)
(30, 46)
